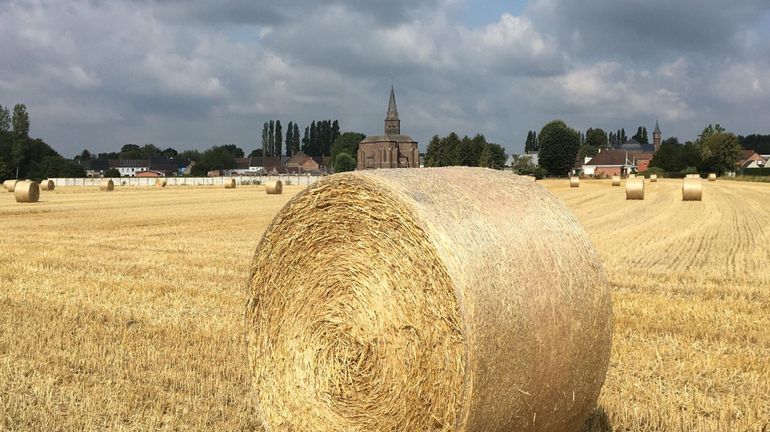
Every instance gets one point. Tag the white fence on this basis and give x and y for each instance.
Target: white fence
(286, 179)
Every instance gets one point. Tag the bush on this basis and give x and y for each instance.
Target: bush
(757, 172)
(344, 162)
(112, 173)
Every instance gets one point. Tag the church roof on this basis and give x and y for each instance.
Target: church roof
(633, 146)
(657, 128)
(392, 110)
(382, 138)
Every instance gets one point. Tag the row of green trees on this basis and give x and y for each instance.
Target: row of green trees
(453, 150)
(24, 157)
(715, 150)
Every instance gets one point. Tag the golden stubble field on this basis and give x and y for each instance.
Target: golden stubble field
(124, 310)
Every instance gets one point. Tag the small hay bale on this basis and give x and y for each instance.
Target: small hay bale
(107, 186)
(274, 187)
(616, 180)
(692, 189)
(632, 176)
(574, 182)
(693, 176)
(26, 192)
(230, 183)
(47, 185)
(10, 185)
(653, 178)
(381, 316)
(635, 189)
(712, 177)
(160, 182)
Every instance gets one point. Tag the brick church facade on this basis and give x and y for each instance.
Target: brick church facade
(391, 150)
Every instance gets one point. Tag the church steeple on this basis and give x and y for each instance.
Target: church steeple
(392, 123)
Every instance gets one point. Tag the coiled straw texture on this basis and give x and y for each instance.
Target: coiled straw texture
(406, 300)
(107, 186)
(26, 192)
(635, 188)
(274, 187)
(692, 189)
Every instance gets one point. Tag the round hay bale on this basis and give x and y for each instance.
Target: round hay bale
(712, 177)
(616, 180)
(693, 176)
(632, 176)
(653, 178)
(47, 185)
(405, 300)
(574, 182)
(161, 182)
(107, 186)
(230, 183)
(274, 187)
(10, 185)
(26, 191)
(635, 189)
(692, 189)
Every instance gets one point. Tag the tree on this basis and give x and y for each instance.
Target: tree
(169, 153)
(720, 152)
(493, 156)
(313, 149)
(528, 143)
(20, 121)
(5, 119)
(256, 153)
(469, 151)
(289, 139)
(271, 138)
(85, 155)
(347, 143)
(587, 150)
(559, 145)
(295, 140)
(443, 151)
(265, 142)
(112, 173)
(278, 145)
(344, 162)
(669, 156)
(234, 150)
(756, 142)
(130, 151)
(708, 131)
(150, 151)
(691, 155)
(215, 158)
(597, 138)
(306, 140)
(523, 165)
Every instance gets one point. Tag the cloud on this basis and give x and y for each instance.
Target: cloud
(191, 73)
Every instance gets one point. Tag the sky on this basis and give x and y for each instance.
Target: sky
(190, 74)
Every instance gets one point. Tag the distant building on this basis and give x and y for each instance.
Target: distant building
(95, 167)
(130, 167)
(609, 163)
(151, 173)
(391, 150)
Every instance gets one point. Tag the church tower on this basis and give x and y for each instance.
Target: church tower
(392, 123)
(656, 136)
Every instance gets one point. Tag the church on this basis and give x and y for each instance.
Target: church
(391, 150)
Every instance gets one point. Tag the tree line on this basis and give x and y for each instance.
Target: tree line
(452, 150)
(24, 157)
(715, 150)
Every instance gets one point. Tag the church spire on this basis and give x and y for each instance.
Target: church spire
(392, 123)
(657, 128)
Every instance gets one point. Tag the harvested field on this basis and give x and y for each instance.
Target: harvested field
(125, 310)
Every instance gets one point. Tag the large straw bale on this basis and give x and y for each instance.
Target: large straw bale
(10, 185)
(712, 177)
(635, 188)
(161, 182)
(616, 180)
(692, 189)
(26, 191)
(574, 182)
(653, 178)
(47, 185)
(406, 300)
(107, 185)
(230, 183)
(274, 187)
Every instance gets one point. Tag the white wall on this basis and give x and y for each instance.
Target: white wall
(301, 179)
